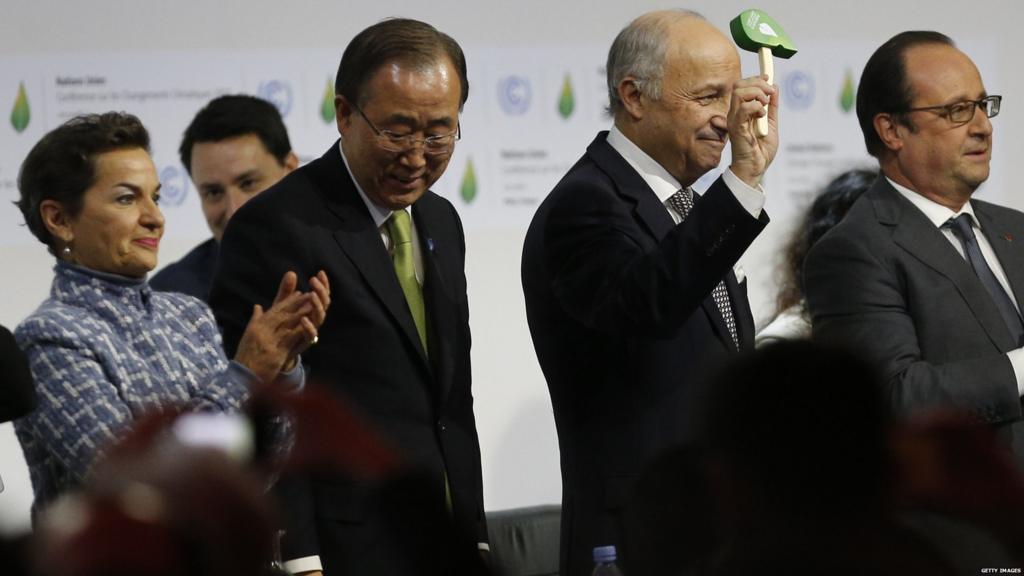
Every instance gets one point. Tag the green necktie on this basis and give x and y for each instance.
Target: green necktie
(399, 227)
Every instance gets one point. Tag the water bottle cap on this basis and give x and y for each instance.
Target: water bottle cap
(604, 554)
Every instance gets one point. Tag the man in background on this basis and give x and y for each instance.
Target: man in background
(235, 148)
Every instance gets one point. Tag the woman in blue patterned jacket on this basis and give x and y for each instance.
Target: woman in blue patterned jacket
(104, 348)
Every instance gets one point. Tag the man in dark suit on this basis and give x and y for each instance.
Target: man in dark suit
(629, 283)
(921, 277)
(396, 342)
(236, 147)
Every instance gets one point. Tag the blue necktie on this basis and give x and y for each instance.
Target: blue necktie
(961, 227)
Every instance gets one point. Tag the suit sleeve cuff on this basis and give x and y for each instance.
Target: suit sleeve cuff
(304, 564)
(1017, 363)
(752, 199)
(294, 379)
(240, 373)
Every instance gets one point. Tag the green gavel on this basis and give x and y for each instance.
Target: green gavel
(755, 31)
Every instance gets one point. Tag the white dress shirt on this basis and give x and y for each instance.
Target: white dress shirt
(938, 215)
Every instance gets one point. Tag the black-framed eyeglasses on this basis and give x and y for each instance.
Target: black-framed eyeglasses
(963, 112)
(438, 145)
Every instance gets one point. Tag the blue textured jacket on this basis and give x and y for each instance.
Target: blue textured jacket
(103, 350)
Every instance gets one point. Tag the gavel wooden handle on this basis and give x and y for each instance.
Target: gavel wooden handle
(764, 58)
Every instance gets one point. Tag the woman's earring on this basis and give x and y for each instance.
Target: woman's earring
(66, 251)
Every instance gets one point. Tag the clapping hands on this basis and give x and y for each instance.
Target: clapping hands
(275, 337)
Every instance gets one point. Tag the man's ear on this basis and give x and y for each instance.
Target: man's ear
(631, 97)
(343, 111)
(889, 131)
(291, 161)
(57, 220)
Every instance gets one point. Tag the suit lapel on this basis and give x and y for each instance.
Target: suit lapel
(1001, 236)
(359, 239)
(649, 211)
(655, 217)
(918, 236)
(437, 291)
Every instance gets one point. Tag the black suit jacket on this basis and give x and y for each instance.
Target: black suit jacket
(368, 351)
(887, 282)
(619, 303)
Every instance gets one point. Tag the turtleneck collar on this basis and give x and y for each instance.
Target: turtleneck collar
(116, 279)
(78, 284)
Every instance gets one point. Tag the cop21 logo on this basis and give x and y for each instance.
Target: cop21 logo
(278, 93)
(514, 94)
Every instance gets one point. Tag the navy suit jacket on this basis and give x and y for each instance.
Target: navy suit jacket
(368, 352)
(192, 275)
(619, 303)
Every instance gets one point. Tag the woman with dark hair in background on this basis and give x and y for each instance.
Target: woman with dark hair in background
(791, 320)
(104, 348)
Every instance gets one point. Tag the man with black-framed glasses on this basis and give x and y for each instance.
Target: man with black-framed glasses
(396, 342)
(922, 277)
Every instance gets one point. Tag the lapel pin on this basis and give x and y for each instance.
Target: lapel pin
(430, 244)
(1009, 237)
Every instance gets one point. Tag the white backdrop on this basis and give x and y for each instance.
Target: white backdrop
(536, 95)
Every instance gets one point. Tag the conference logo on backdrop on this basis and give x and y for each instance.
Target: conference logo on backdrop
(566, 99)
(20, 113)
(514, 95)
(327, 103)
(798, 90)
(278, 93)
(848, 93)
(173, 185)
(467, 188)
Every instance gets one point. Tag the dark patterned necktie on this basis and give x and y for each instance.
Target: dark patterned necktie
(961, 227)
(682, 202)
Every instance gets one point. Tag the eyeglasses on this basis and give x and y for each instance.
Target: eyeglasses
(963, 112)
(399, 143)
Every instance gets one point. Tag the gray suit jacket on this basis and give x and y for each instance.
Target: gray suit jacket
(886, 281)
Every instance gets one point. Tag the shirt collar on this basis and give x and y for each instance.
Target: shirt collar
(380, 215)
(657, 178)
(936, 213)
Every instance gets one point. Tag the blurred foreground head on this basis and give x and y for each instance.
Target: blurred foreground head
(174, 511)
(800, 428)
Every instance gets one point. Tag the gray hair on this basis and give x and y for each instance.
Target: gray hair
(639, 51)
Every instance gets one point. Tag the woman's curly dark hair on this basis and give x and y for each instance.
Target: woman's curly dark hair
(825, 212)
